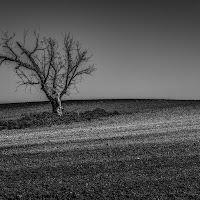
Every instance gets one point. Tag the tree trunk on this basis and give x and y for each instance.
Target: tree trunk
(56, 106)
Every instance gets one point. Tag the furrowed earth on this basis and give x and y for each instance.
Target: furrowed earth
(152, 154)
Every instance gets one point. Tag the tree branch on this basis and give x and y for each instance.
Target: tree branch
(57, 73)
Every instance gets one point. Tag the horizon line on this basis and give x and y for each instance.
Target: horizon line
(99, 99)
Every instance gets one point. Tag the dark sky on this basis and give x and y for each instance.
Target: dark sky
(142, 48)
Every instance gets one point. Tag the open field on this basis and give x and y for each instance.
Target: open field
(14, 111)
(150, 151)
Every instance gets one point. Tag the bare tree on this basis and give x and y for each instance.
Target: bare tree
(55, 71)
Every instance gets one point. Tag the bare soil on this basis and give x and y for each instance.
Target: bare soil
(154, 154)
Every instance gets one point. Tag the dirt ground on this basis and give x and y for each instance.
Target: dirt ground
(151, 155)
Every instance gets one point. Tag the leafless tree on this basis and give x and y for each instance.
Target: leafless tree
(55, 71)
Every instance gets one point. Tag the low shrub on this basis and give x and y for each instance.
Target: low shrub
(47, 119)
(115, 113)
